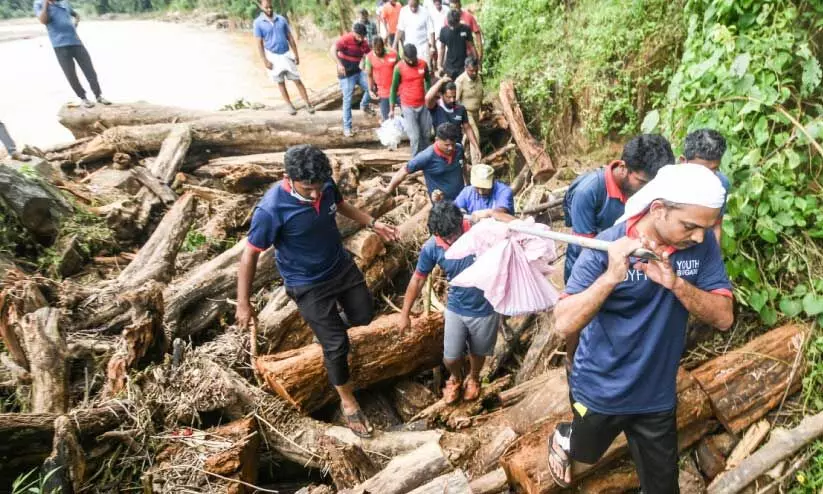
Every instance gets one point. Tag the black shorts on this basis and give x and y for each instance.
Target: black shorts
(652, 439)
(318, 304)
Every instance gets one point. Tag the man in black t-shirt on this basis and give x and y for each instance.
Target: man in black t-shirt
(441, 100)
(456, 44)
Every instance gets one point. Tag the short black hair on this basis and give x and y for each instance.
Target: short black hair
(704, 144)
(471, 62)
(647, 153)
(448, 132)
(307, 163)
(453, 18)
(364, 11)
(410, 50)
(450, 86)
(359, 28)
(455, 2)
(445, 219)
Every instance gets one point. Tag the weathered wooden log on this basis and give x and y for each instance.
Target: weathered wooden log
(375, 202)
(526, 464)
(488, 455)
(536, 156)
(782, 444)
(746, 383)
(365, 245)
(406, 472)
(378, 352)
(455, 482)
(411, 398)
(38, 207)
(241, 132)
(493, 482)
(516, 393)
(155, 186)
(172, 151)
(508, 342)
(522, 178)
(84, 122)
(64, 470)
(545, 342)
(499, 158)
(46, 353)
(240, 461)
(348, 464)
(27, 437)
(709, 459)
(748, 443)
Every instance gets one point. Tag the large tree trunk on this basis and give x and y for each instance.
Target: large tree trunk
(493, 482)
(64, 470)
(172, 151)
(348, 464)
(406, 472)
(536, 156)
(46, 352)
(455, 482)
(744, 384)
(236, 132)
(378, 351)
(37, 205)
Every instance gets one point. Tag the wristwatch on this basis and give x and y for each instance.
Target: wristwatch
(372, 222)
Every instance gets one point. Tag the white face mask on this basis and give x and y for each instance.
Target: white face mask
(296, 194)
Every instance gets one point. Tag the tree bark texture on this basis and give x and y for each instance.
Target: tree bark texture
(536, 156)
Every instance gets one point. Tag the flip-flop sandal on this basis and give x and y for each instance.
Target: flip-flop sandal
(452, 392)
(358, 418)
(564, 462)
(471, 390)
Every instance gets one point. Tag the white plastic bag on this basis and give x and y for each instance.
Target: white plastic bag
(391, 132)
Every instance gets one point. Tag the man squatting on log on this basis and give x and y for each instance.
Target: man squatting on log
(631, 316)
(297, 216)
(470, 318)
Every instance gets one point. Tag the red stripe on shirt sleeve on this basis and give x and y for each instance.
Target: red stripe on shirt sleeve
(723, 291)
(564, 295)
(418, 274)
(587, 235)
(254, 247)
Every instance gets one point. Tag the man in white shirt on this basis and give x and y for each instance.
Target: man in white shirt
(438, 10)
(414, 27)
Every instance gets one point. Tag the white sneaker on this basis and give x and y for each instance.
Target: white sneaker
(88, 103)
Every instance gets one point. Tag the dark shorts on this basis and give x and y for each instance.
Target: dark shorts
(652, 439)
(318, 304)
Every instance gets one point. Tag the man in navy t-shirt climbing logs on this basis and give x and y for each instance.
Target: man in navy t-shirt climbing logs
(631, 317)
(298, 217)
(441, 100)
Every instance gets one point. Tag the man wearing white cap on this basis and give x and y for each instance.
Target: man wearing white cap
(485, 195)
(631, 318)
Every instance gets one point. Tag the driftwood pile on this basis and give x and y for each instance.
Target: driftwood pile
(130, 370)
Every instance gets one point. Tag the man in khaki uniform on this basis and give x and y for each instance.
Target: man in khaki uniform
(470, 94)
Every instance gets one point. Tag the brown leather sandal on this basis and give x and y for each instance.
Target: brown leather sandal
(471, 389)
(452, 391)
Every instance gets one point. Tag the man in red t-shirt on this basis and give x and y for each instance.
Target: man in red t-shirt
(410, 83)
(380, 70)
(348, 51)
(390, 15)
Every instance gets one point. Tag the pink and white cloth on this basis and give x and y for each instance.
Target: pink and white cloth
(510, 268)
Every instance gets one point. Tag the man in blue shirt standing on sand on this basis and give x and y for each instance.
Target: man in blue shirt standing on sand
(706, 147)
(274, 39)
(61, 23)
(485, 195)
(298, 217)
(442, 164)
(631, 318)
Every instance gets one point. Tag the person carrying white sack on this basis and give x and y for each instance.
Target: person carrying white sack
(631, 317)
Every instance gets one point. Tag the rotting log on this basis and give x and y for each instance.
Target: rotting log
(536, 156)
(64, 470)
(545, 342)
(782, 445)
(508, 342)
(378, 351)
(83, 122)
(455, 482)
(748, 443)
(516, 393)
(744, 384)
(365, 245)
(375, 203)
(171, 154)
(28, 437)
(46, 352)
(709, 459)
(488, 455)
(241, 132)
(493, 482)
(410, 398)
(406, 472)
(348, 464)
(37, 205)
(239, 462)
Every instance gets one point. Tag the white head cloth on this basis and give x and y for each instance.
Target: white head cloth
(684, 184)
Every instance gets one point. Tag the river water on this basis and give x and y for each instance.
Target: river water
(137, 60)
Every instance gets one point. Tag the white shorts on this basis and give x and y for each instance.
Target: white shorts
(282, 67)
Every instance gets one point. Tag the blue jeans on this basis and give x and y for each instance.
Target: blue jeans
(385, 108)
(347, 85)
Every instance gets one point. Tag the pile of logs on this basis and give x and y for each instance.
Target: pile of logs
(130, 370)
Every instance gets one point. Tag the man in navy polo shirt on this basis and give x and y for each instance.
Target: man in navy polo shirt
(485, 195)
(442, 165)
(595, 200)
(298, 217)
(273, 42)
(631, 318)
(470, 319)
(706, 147)
(441, 100)
(61, 23)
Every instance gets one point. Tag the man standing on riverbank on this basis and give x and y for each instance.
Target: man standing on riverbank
(274, 40)
(349, 51)
(297, 216)
(61, 23)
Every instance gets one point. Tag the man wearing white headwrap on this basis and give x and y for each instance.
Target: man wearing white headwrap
(631, 318)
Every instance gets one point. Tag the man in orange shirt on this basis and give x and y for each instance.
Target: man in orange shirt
(380, 70)
(390, 15)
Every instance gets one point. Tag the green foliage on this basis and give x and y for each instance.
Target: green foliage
(748, 70)
(33, 483)
(598, 65)
(810, 479)
(193, 241)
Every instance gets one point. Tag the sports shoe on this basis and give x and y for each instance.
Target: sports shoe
(103, 101)
(310, 109)
(348, 132)
(292, 110)
(87, 103)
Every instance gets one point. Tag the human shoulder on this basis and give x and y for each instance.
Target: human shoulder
(613, 232)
